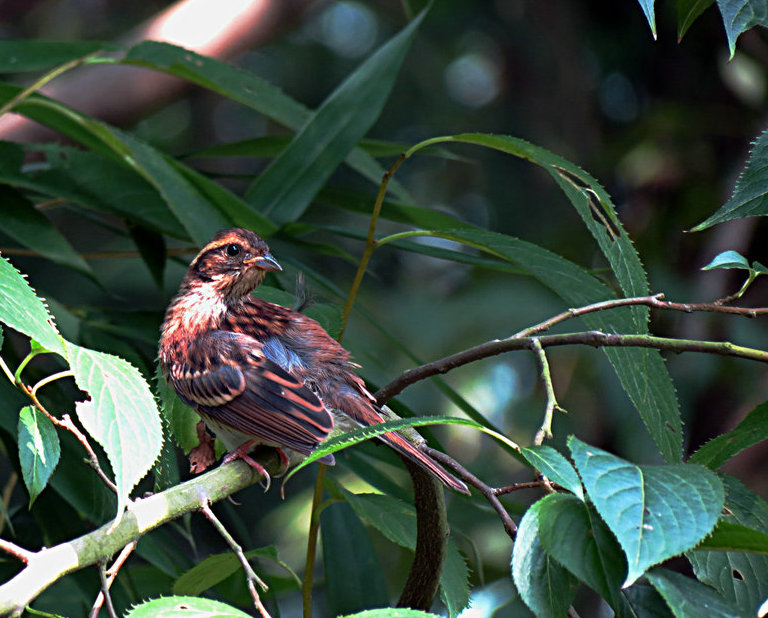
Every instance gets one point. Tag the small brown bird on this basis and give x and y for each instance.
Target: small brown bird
(256, 372)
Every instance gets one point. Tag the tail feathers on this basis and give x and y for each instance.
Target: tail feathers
(402, 446)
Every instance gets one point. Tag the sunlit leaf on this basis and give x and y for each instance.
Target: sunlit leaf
(179, 606)
(39, 450)
(728, 259)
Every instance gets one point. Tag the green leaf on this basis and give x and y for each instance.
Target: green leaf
(396, 520)
(741, 15)
(182, 420)
(742, 578)
(18, 55)
(244, 87)
(688, 11)
(151, 246)
(545, 586)
(39, 450)
(689, 598)
(750, 195)
(555, 467)
(23, 311)
(184, 607)
(361, 434)
(285, 189)
(391, 612)
(656, 512)
(24, 223)
(729, 536)
(353, 575)
(216, 568)
(121, 415)
(650, 14)
(752, 429)
(728, 259)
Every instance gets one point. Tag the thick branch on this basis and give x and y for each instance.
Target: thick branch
(48, 565)
(591, 338)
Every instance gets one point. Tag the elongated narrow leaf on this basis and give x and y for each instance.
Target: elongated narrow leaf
(729, 536)
(750, 195)
(28, 226)
(22, 310)
(246, 88)
(39, 450)
(751, 430)
(689, 598)
(656, 512)
(121, 415)
(555, 466)
(650, 14)
(17, 55)
(284, 190)
(356, 436)
(353, 576)
(688, 11)
(741, 577)
(545, 586)
(741, 15)
(396, 520)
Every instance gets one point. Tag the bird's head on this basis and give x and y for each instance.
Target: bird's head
(233, 262)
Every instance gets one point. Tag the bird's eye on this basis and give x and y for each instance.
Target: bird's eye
(233, 250)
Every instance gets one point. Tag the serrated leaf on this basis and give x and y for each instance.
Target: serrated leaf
(39, 450)
(729, 536)
(454, 581)
(24, 223)
(650, 14)
(121, 415)
(17, 55)
(750, 195)
(182, 420)
(688, 12)
(741, 15)
(728, 259)
(184, 607)
(752, 429)
(656, 512)
(23, 311)
(391, 612)
(216, 568)
(285, 189)
(545, 586)
(689, 598)
(742, 578)
(555, 467)
(356, 436)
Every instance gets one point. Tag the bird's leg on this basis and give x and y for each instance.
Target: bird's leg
(241, 452)
(203, 455)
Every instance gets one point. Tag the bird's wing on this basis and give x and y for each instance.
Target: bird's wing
(227, 377)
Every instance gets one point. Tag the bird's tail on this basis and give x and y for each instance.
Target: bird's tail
(405, 448)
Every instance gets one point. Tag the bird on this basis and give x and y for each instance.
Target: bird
(259, 373)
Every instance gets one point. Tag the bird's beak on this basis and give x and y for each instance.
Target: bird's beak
(264, 262)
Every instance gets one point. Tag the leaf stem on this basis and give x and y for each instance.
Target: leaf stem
(52, 378)
(7, 371)
(23, 364)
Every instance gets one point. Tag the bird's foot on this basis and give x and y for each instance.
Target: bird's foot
(241, 452)
(204, 454)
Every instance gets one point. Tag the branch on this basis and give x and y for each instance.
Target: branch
(46, 566)
(593, 338)
(545, 431)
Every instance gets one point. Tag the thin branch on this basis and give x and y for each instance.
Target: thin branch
(17, 552)
(488, 492)
(593, 338)
(314, 530)
(7, 493)
(250, 575)
(508, 489)
(111, 574)
(104, 594)
(545, 431)
(51, 564)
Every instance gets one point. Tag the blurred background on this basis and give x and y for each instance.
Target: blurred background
(664, 126)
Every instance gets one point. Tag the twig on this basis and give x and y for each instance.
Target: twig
(111, 574)
(314, 529)
(7, 493)
(508, 489)
(488, 492)
(51, 564)
(250, 575)
(17, 552)
(545, 431)
(593, 338)
(103, 594)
